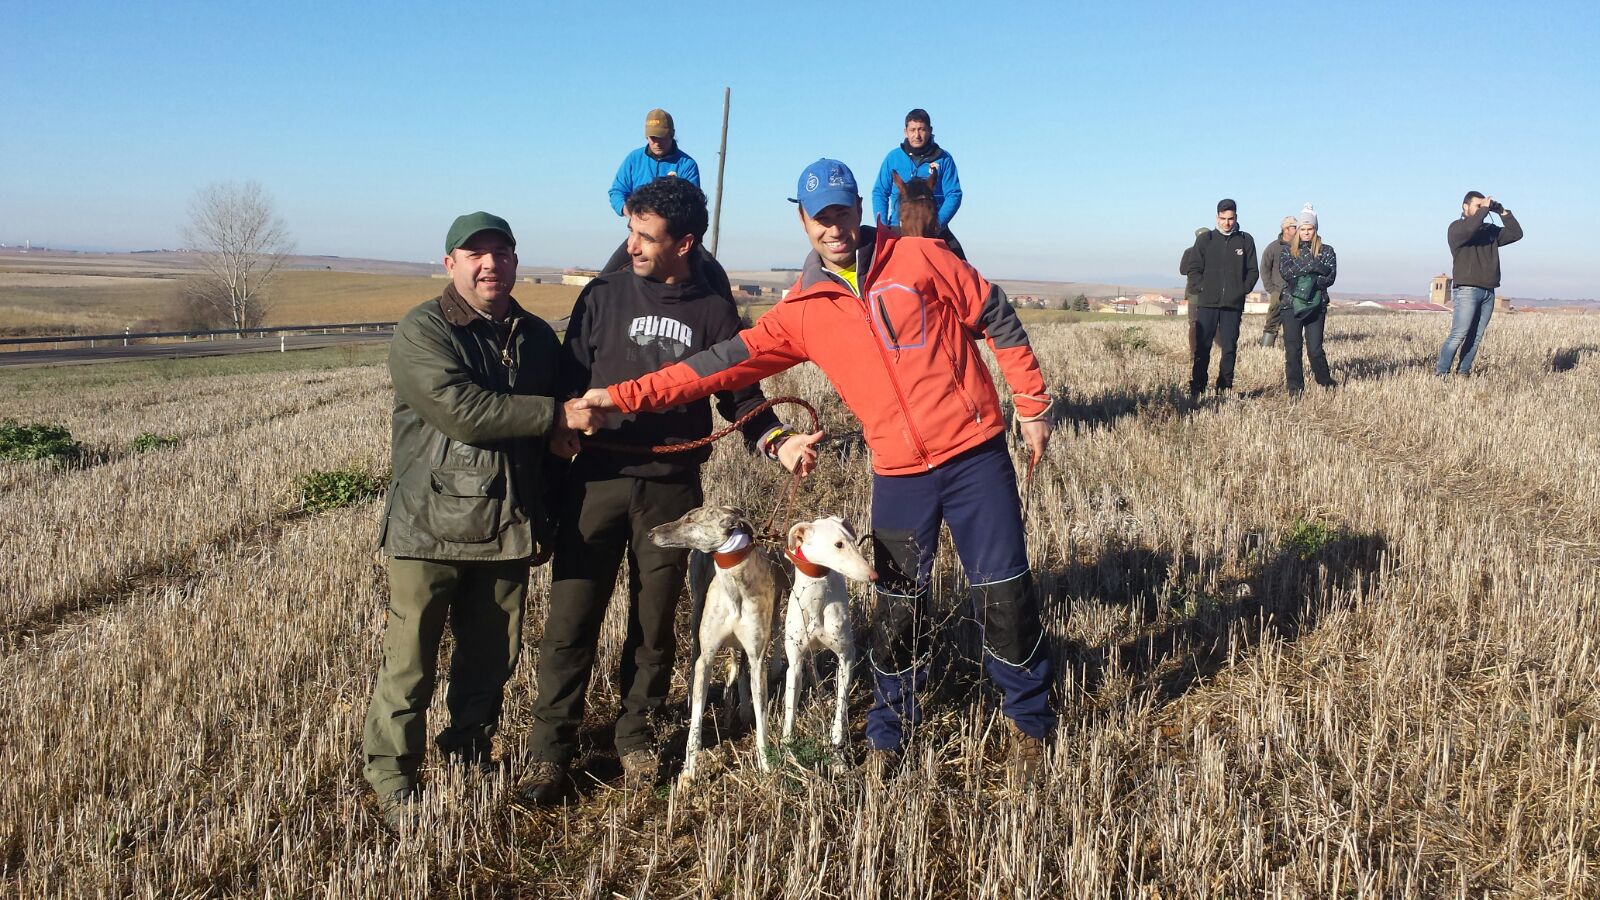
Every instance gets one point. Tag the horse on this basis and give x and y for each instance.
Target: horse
(919, 216)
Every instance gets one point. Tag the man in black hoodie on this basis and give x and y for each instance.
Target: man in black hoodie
(627, 324)
(1475, 246)
(1224, 260)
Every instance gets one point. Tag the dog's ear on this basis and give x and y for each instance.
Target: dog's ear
(798, 534)
(733, 517)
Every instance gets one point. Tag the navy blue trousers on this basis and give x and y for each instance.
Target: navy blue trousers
(976, 495)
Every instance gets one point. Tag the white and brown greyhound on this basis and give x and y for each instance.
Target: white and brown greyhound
(740, 603)
(825, 552)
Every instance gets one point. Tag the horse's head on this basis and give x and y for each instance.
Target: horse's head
(919, 217)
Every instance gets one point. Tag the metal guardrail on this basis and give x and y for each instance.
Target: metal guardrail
(128, 336)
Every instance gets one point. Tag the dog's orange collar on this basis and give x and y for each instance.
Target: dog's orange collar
(805, 566)
(729, 560)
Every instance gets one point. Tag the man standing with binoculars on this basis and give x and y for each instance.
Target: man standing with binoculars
(1475, 246)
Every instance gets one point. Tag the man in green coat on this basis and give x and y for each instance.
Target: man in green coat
(474, 378)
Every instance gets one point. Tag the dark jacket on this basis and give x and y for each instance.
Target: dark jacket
(624, 327)
(1271, 280)
(1189, 267)
(1322, 269)
(473, 402)
(1227, 267)
(1475, 247)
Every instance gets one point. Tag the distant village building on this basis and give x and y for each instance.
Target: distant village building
(1402, 306)
(1162, 307)
(1439, 290)
(578, 277)
(753, 290)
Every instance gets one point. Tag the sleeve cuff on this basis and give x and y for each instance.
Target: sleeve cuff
(1032, 407)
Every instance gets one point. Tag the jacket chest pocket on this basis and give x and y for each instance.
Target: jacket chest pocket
(463, 504)
(899, 316)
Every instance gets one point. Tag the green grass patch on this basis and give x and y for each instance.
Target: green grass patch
(808, 752)
(331, 489)
(37, 441)
(149, 440)
(1307, 538)
(1131, 339)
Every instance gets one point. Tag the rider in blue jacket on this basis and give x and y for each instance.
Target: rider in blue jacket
(918, 156)
(659, 157)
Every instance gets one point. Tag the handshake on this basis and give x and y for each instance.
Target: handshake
(592, 411)
(580, 415)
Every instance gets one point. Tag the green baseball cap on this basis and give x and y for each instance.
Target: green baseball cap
(464, 227)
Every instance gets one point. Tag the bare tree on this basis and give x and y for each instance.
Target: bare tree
(241, 243)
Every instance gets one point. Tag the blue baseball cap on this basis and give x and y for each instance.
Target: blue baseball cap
(825, 183)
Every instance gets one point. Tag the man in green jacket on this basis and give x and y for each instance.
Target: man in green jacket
(1272, 282)
(474, 378)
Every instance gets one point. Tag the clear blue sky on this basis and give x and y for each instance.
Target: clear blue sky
(1091, 139)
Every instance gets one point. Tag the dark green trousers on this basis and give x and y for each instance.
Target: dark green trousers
(1274, 323)
(482, 602)
(600, 521)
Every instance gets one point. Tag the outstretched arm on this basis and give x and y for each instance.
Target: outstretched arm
(432, 379)
(765, 349)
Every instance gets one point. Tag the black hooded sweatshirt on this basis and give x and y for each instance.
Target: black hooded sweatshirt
(624, 326)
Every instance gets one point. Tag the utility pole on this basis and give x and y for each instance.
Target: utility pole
(722, 162)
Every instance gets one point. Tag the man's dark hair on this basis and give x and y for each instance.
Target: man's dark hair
(677, 201)
(919, 115)
(1226, 205)
(1471, 196)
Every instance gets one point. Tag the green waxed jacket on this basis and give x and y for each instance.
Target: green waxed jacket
(472, 408)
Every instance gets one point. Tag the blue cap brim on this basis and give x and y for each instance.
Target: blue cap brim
(821, 200)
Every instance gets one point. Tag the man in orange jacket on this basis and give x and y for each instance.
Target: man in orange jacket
(893, 322)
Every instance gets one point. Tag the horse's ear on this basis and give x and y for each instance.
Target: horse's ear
(899, 182)
(932, 175)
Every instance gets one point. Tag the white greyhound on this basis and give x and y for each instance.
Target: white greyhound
(825, 552)
(740, 603)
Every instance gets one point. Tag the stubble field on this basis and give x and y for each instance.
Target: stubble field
(1345, 646)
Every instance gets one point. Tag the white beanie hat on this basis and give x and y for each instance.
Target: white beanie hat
(1308, 216)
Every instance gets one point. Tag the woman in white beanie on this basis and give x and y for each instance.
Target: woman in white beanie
(1308, 267)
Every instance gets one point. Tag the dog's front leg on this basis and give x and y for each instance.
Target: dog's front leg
(791, 684)
(697, 706)
(841, 704)
(758, 697)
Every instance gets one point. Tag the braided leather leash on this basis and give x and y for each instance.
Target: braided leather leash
(713, 437)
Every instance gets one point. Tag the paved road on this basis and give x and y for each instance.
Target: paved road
(82, 354)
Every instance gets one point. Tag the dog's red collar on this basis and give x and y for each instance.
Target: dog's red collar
(729, 560)
(805, 566)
